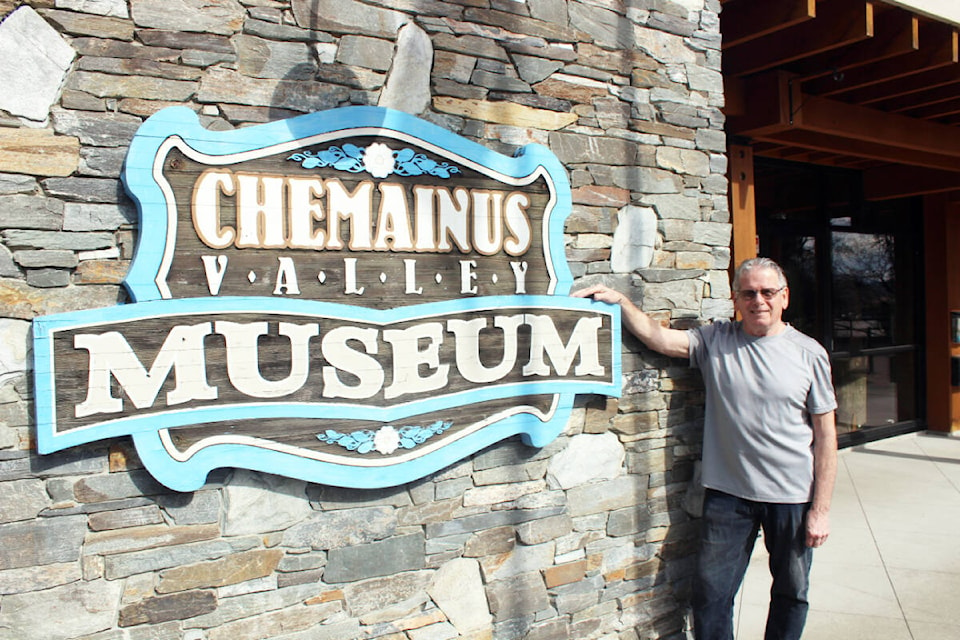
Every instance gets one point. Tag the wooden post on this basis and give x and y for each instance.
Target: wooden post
(743, 211)
(942, 271)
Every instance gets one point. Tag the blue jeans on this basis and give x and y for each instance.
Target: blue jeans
(730, 528)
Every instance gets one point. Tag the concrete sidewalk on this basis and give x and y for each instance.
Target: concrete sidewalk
(891, 568)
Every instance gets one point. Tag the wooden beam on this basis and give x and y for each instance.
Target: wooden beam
(822, 115)
(858, 148)
(822, 157)
(900, 181)
(743, 20)
(780, 114)
(862, 163)
(798, 155)
(766, 105)
(790, 196)
(743, 209)
(839, 23)
(942, 51)
(767, 149)
(938, 110)
(776, 151)
(920, 98)
(734, 97)
(896, 33)
(930, 79)
(764, 147)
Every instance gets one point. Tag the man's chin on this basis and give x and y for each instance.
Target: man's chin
(757, 328)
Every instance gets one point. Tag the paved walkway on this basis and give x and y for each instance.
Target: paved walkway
(891, 568)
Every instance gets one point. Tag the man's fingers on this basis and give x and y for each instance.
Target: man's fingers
(816, 541)
(588, 291)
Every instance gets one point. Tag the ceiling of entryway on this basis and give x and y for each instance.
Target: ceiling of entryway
(846, 83)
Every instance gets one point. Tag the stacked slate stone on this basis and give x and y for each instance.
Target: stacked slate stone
(590, 537)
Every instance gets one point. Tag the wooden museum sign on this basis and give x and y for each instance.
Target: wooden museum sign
(354, 297)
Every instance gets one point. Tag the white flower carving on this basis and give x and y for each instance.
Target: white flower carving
(378, 160)
(386, 440)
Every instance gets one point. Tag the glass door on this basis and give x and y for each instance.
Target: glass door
(854, 273)
(873, 350)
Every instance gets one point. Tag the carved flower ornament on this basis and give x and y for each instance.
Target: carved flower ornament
(378, 160)
(386, 439)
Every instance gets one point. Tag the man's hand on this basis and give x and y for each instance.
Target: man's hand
(600, 292)
(818, 527)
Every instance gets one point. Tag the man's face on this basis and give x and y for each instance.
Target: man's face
(761, 316)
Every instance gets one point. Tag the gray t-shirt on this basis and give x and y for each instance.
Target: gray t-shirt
(760, 393)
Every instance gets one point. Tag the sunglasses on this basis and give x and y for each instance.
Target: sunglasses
(751, 294)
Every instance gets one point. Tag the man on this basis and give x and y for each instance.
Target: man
(769, 446)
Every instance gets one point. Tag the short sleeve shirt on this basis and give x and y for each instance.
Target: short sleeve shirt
(760, 394)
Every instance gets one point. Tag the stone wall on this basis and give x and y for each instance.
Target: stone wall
(586, 538)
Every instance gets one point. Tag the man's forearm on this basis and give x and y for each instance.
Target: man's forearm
(824, 460)
(670, 342)
(824, 477)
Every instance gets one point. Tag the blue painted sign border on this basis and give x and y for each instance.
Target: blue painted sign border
(423, 449)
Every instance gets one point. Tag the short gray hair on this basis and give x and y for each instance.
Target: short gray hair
(758, 263)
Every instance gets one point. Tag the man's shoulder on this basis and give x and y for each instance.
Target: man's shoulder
(803, 341)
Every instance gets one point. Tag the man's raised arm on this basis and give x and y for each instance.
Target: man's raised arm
(670, 342)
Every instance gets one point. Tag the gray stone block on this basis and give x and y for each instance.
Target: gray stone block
(384, 558)
(99, 190)
(534, 70)
(499, 81)
(338, 529)
(505, 603)
(607, 28)
(11, 183)
(572, 148)
(106, 162)
(488, 521)
(82, 608)
(347, 16)
(98, 130)
(8, 268)
(260, 503)
(40, 542)
(35, 60)
(122, 565)
(196, 507)
(275, 31)
(58, 240)
(625, 522)
(38, 258)
(31, 212)
(48, 278)
(262, 58)
(224, 17)
(238, 607)
(22, 500)
(178, 606)
(407, 88)
(364, 51)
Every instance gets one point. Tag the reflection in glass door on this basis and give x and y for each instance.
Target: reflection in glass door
(873, 354)
(853, 269)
